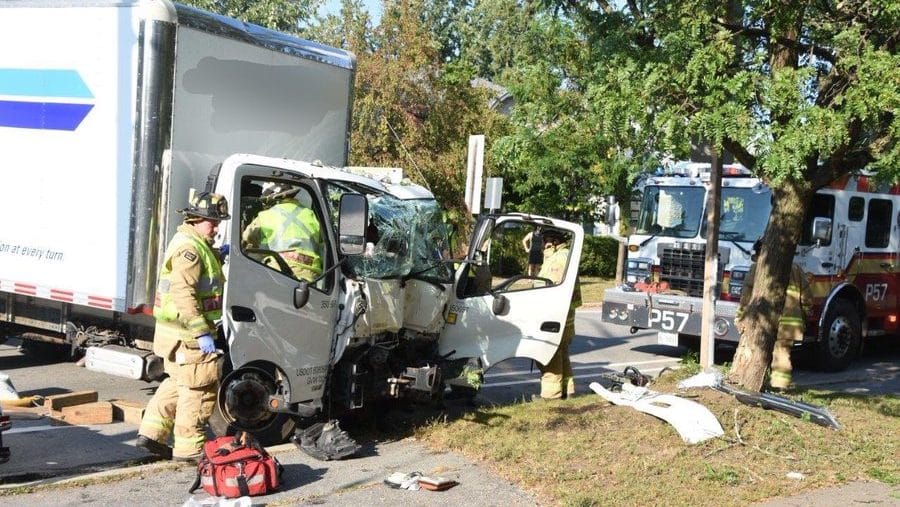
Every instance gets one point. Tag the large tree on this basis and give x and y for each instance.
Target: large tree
(801, 92)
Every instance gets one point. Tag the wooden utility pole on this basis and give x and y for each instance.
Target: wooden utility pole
(711, 268)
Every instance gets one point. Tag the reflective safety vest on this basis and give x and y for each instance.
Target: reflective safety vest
(209, 287)
(289, 227)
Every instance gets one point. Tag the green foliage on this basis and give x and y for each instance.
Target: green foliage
(282, 15)
(598, 256)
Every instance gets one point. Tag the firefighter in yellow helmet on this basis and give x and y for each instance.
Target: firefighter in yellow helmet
(791, 324)
(557, 380)
(291, 230)
(188, 303)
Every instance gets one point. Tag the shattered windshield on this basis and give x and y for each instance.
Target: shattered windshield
(671, 211)
(744, 214)
(404, 237)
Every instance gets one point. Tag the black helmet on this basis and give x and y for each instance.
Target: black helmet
(206, 205)
(555, 235)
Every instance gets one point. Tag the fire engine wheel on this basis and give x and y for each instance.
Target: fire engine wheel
(241, 405)
(840, 337)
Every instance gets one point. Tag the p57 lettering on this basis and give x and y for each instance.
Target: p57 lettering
(876, 291)
(668, 320)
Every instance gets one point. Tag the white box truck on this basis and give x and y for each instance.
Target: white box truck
(105, 130)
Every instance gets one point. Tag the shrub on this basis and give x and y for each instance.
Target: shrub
(598, 256)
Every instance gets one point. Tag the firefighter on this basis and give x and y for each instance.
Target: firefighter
(188, 303)
(291, 230)
(791, 323)
(557, 380)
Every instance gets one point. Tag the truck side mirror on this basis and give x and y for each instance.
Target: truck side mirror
(500, 305)
(821, 230)
(352, 224)
(301, 295)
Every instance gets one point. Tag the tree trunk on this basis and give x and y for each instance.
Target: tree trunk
(773, 271)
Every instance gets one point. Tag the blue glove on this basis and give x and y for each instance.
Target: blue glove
(224, 250)
(207, 345)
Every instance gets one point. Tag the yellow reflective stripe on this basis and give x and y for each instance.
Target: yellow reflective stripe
(780, 377)
(159, 423)
(793, 321)
(198, 326)
(188, 443)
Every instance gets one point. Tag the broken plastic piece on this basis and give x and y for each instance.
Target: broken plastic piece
(400, 480)
(694, 422)
(702, 379)
(325, 441)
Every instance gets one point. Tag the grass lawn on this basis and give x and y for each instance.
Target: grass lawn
(586, 451)
(592, 288)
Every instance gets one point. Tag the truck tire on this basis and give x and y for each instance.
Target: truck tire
(271, 429)
(839, 337)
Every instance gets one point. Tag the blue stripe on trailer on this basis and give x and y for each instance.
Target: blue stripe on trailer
(42, 115)
(65, 83)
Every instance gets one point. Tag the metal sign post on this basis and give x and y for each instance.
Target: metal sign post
(474, 169)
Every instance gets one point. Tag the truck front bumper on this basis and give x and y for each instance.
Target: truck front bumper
(670, 315)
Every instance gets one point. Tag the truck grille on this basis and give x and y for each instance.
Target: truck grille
(683, 269)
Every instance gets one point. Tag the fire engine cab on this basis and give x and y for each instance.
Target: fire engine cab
(848, 250)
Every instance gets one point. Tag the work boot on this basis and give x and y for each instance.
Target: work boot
(160, 449)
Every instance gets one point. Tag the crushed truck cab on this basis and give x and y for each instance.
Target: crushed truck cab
(394, 318)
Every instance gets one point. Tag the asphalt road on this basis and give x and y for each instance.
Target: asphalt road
(50, 454)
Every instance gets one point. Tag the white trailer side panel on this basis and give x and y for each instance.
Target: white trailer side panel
(67, 81)
(232, 96)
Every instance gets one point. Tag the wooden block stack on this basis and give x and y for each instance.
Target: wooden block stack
(83, 407)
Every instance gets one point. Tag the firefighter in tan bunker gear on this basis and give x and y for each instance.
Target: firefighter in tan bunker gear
(557, 380)
(188, 302)
(290, 230)
(791, 324)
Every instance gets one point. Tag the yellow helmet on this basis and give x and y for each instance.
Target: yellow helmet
(206, 205)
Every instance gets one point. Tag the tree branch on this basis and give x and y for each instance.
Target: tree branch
(787, 42)
(740, 153)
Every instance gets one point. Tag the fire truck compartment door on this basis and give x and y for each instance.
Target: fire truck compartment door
(529, 318)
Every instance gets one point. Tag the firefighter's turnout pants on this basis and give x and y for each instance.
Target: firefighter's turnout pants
(557, 380)
(183, 402)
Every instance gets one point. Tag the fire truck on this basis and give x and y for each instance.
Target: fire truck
(848, 251)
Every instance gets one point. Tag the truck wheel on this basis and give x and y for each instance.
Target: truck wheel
(241, 405)
(839, 337)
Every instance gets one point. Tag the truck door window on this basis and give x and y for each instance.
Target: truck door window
(822, 206)
(283, 228)
(878, 223)
(856, 209)
(518, 256)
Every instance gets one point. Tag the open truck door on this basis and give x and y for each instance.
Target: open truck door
(499, 310)
(275, 312)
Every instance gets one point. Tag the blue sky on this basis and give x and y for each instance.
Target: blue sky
(373, 6)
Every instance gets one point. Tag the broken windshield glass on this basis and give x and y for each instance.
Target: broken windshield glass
(404, 238)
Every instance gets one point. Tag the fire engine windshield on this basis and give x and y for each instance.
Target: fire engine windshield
(671, 211)
(745, 212)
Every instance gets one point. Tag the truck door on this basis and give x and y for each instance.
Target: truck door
(499, 308)
(273, 246)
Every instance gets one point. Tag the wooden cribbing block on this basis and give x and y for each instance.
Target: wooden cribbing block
(99, 412)
(58, 401)
(129, 411)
